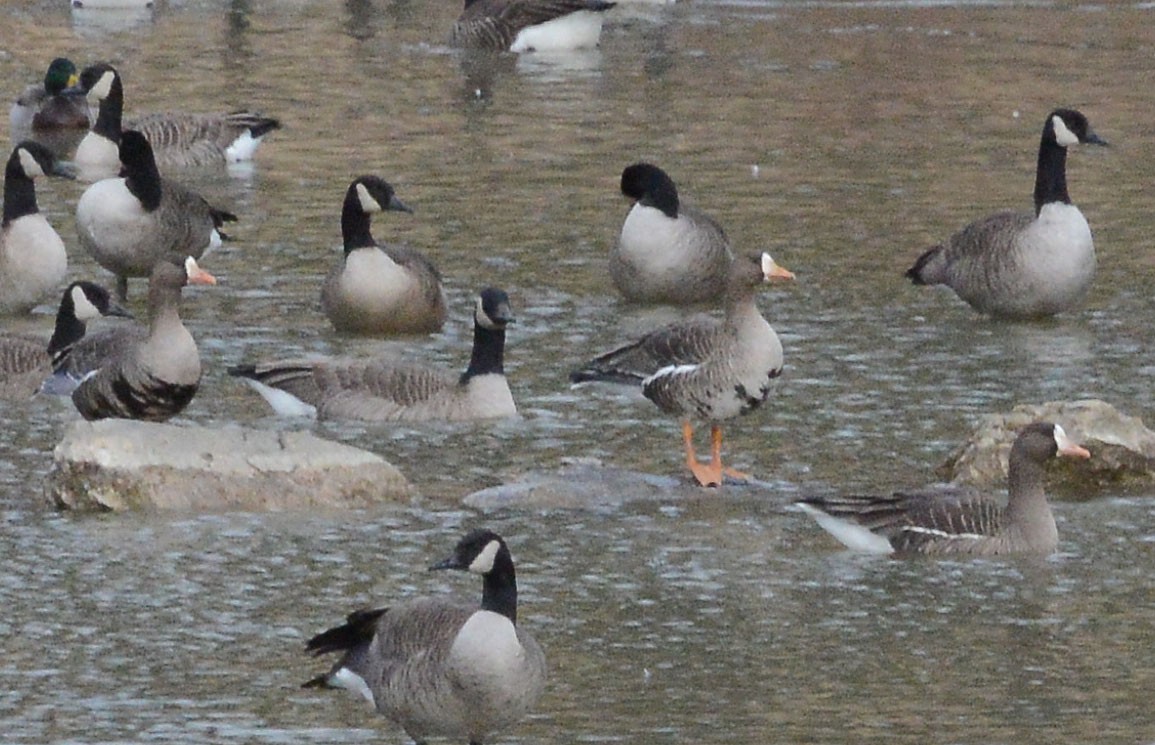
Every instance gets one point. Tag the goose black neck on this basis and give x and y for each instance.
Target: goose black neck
(499, 588)
(142, 180)
(488, 353)
(19, 191)
(109, 113)
(355, 223)
(1051, 175)
(662, 195)
(69, 329)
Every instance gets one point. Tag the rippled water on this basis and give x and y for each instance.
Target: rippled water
(842, 137)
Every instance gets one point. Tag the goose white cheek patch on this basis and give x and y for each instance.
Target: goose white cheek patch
(103, 86)
(1063, 135)
(368, 203)
(82, 306)
(30, 165)
(483, 564)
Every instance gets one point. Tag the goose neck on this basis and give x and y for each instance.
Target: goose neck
(488, 353)
(1027, 502)
(355, 224)
(109, 113)
(68, 330)
(499, 588)
(19, 191)
(1051, 175)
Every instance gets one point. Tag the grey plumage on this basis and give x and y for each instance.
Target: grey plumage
(384, 390)
(155, 378)
(496, 24)
(130, 222)
(438, 667)
(380, 288)
(1019, 266)
(952, 520)
(666, 251)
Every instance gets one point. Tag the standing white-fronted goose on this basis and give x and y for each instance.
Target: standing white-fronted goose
(50, 105)
(380, 289)
(667, 252)
(529, 25)
(25, 363)
(155, 378)
(954, 520)
(385, 390)
(32, 256)
(178, 140)
(1016, 265)
(442, 668)
(705, 368)
(130, 222)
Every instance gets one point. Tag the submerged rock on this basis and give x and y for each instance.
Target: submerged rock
(117, 464)
(1122, 448)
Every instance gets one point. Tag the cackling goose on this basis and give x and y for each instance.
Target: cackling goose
(32, 256)
(380, 289)
(130, 222)
(385, 390)
(155, 378)
(953, 520)
(1016, 265)
(666, 252)
(704, 367)
(529, 25)
(437, 667)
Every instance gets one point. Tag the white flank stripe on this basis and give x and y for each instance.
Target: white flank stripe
(943, 533)
(849, 534)
(670, 370)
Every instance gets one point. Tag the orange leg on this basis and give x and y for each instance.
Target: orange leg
(716, 450)
(706, 475)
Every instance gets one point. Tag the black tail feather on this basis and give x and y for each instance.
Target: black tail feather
(358, 629)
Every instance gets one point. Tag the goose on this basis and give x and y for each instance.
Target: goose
(129, 222)
(666, 252)
(50, 105)
(437, 667)
(178, 140)
(155, 378)
(953, 520)
(384, 390)
(529, 25)
(1016, 265)
(380, 289)
(32, 256)
(703, 367)
(25, 362)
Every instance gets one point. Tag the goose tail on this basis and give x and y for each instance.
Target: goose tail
(927, 268)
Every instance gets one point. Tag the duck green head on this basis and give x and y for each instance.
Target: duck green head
(61, 74)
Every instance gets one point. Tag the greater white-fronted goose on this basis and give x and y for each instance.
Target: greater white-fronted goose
(667, 252)
(380, 289)
(385, 390)
(1016, 265)
(25, 362)
(441, 668)
(155, 378)
(49, 106)
(530, 25)
(956, 520)
(32, 256)
(178, 140)
(705, 368)
(130, 222)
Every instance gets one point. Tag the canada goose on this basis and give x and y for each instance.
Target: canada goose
(129, 222)
(529, 25)
(153, 379)
(667, 252)
(50, 105)
(954, 520)
(437, 667)
(380, 289)
(25, 362)
(1016, 265)
(32, 256)
(178, 140)
(704, 367)
(384, 390)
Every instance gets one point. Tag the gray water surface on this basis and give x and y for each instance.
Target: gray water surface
(841, 137)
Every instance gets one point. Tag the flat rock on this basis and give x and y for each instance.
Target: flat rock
(117, 464)
(1122, 448)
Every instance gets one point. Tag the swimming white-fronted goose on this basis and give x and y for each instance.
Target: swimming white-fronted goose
(705, 368)
(153, 379)
(385, 390)
(380, 289)
(32, 256)
(529, 25)
(667, 252)
(178, 140)
(50, 105)
(25, 362)
(954, 520)
(1016, 265)
(440, 668)
(130, 222)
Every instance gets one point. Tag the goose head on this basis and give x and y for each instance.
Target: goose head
(478, 553)
(89, 300)
(493, 311)
(645, 183)
(1070, 127)
(33, 160)
(99, 81)
(375, 194)
(1044, 440)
